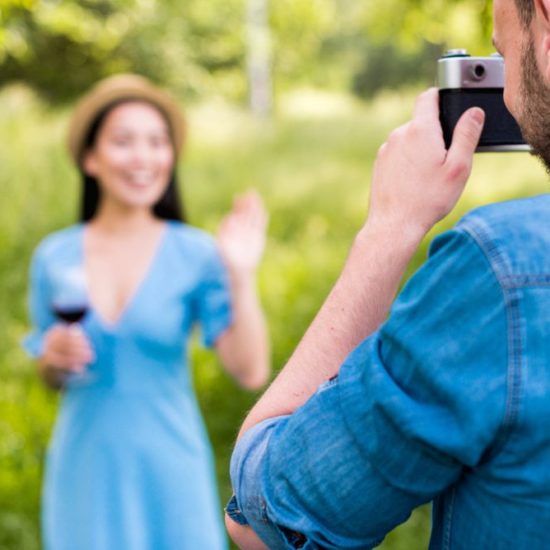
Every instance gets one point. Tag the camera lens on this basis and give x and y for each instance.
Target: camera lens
(478, 71)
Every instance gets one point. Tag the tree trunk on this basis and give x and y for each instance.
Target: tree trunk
(259, 57)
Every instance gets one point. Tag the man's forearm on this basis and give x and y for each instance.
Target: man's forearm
(416, 182)
(356, 306)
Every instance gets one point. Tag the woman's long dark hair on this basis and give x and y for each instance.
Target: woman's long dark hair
(168, 207)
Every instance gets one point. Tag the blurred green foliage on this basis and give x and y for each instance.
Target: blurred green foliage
(62, 47)
(198, 47)
(312, 166)
(396, 67)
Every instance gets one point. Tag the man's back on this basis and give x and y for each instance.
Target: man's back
(449, 401)
(504, 500)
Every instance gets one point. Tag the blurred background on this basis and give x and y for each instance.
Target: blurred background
(292, 97)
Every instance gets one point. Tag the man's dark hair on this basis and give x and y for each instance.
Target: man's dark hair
(526, 10)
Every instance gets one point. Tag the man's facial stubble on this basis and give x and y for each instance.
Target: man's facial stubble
(534, 110)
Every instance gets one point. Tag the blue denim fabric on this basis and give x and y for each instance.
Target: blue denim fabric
(448, 402)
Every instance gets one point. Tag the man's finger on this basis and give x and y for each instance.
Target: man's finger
(427, 106)
(466, 137)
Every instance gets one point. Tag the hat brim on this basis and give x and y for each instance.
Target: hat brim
(115, 89)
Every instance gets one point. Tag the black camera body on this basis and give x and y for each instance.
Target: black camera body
(465, 82)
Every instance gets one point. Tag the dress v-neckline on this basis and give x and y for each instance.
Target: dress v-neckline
(113, 326)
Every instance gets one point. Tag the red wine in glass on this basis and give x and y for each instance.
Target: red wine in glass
(70, 314)
(69, 293)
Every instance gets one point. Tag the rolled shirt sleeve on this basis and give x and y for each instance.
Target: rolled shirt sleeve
(413, 406)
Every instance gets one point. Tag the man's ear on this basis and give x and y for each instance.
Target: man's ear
(541, 29)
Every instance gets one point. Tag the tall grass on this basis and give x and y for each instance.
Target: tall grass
(312, 165)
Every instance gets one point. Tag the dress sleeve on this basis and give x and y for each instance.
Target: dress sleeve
(414, 406)
(39, 305)
(213, 299)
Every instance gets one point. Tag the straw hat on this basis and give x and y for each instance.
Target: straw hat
(117, 88)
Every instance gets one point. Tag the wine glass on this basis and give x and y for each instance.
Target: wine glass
(70, 294)
(70, 302)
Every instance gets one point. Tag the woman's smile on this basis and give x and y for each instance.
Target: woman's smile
(141, 178)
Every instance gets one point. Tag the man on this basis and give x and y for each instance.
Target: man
(448, 400)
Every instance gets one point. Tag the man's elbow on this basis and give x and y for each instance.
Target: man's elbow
(243, 536)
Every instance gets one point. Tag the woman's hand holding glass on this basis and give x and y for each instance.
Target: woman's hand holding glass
(67, 350)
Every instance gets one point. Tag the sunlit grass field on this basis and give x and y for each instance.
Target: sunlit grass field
(311, 163)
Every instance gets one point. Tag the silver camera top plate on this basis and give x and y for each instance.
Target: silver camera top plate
(459, 70)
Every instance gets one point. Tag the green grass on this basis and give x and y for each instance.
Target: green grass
(313, 170)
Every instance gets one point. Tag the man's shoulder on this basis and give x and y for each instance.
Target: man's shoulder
(522, 213)
(513, 234)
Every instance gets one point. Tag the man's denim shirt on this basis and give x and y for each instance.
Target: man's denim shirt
(448, 402)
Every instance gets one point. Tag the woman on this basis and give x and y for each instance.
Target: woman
(129, 465)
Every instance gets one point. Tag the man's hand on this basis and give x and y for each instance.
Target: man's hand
(416, 181)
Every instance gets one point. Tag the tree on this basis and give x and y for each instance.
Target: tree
(259, 57)
(61, 47)
(198, 47)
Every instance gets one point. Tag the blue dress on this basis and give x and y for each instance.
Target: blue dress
(129, 465)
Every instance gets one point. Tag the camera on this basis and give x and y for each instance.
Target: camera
(465, 81)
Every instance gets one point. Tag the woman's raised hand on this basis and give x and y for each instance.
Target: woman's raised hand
(242, 234)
